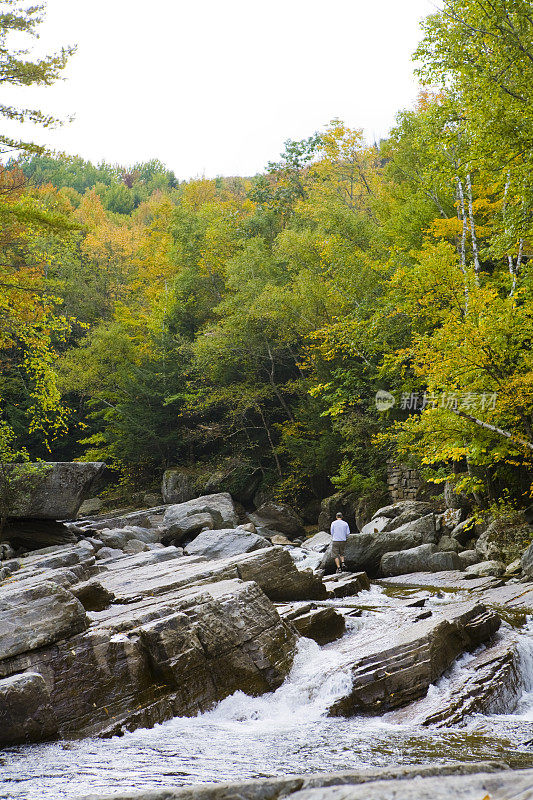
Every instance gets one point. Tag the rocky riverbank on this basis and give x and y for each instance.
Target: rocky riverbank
(164, 613)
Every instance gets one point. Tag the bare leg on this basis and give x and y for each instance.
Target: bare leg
(337, 562)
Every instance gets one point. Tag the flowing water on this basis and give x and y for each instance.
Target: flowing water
(284, 732)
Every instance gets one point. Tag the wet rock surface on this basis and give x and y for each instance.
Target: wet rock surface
(347, 584)
(394, 666)
(323, 625)
(387, 783)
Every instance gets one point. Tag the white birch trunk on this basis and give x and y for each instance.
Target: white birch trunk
(472, 228)
(462, 249)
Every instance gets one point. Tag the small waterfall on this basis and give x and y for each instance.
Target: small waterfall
(312, 686)
(524, 708)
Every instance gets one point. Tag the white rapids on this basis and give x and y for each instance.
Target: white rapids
(283, 732)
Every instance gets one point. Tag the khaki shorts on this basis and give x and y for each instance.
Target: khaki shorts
(337, 549)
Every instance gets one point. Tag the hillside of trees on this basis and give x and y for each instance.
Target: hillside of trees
(246, 325)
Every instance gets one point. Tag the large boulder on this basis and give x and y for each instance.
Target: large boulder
(318, 543)
(213, 511)
(346, 503)
(424, 558)
(376, 525)
(404, 511)
(485, 569)
(178, 486)
(225, 543)
(364, 551)
(279, 517)
(503, 541)
(347, 584)
(324, 625)
(50, 490)
(454, 499)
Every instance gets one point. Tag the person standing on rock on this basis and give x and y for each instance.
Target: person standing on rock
(339, 533)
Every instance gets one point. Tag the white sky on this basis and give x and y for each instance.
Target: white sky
(215, 88)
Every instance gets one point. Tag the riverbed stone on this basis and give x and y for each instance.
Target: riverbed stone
(109, 553)
(412, 508)
(468, 558)
(364, 551)
(491, 685)
(527, 562)
(215, 511)
(447, 544)
(92, 595)
(376, 525)
(324, 625)
(415, 559)
(156, 650)
(347, 584)
(135, 546)
(465, 780)
(318, 543)
(225, 543)
(485, 568)
(26, 714)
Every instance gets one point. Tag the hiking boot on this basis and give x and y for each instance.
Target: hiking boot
(339, 571)
(343, 567)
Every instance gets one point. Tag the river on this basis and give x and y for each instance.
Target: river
(284, 732)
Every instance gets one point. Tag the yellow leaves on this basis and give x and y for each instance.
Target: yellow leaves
(445, 228)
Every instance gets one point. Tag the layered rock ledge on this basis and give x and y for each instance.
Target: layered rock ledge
(172, 636)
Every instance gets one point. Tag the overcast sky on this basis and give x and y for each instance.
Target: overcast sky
(215, 88)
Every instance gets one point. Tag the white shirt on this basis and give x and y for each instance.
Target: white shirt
(340, 530)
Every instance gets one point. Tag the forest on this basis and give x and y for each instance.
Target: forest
(288, 332)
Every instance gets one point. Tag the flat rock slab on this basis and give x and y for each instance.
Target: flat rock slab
(225, 543)
(393, 667)
(513, 596)
(451, 579)
(293, 785)
(512, 785)
(347, 584)
(271, 568)
(37, 616)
